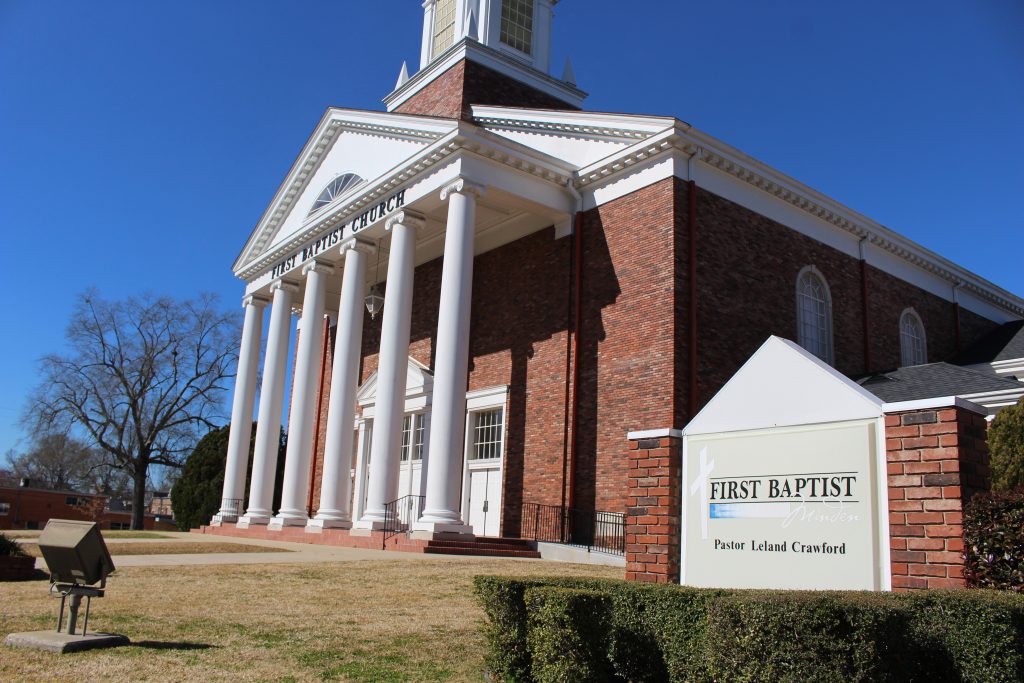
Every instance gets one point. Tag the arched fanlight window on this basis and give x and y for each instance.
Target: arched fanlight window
(337, 187)
(814, 314)
(913, 344)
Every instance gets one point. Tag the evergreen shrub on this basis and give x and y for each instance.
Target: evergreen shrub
(994, 541)
(627, 631)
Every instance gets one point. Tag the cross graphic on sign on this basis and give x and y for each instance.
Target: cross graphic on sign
(701, 483)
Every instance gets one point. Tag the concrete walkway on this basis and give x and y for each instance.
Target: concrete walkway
(300, 553)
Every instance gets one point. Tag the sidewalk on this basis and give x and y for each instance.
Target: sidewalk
(301, 553)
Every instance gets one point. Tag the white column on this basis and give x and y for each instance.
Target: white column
(451, 366)
(301, 439)
(336, 487)
(240, 435)
(393, 363)
(268, 428)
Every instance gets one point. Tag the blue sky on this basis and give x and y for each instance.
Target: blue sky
(141, 141)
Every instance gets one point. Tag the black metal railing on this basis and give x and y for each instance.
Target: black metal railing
(232, 504)
(592, 529)
(399, 516)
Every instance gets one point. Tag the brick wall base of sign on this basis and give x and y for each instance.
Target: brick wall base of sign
(653, 508)
(937, 459)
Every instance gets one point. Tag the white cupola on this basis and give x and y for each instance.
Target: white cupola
(518, 28)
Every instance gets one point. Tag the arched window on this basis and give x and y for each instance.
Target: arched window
(814, 314)
(913, 345)
(337, 187)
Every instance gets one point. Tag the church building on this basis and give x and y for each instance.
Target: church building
(492, 286)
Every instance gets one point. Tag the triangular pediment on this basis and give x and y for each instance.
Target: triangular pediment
(365, 143)
(783, 385)
(580, 138)
(418, 382)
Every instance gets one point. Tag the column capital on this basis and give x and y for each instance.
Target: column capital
(410, 219)
(257, 300)
(356, 244)
(463, 186)
(315, 266)
(286, 285)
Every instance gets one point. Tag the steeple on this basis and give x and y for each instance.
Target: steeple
(505, 44)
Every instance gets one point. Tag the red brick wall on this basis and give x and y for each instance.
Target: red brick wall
(466, 83)
(627, 343)
(653, 510)
(634, 341)
(937, 460)
(38, 506)
(748, 265)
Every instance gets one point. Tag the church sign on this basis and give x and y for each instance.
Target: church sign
(786, 491)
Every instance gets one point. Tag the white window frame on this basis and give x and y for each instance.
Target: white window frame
(800, 322)
(533, 30)
(908, 349)
(5, 508)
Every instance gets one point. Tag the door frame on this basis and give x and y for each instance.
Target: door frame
(477, 401)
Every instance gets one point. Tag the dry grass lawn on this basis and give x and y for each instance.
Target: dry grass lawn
(171, 548)
(386, 620)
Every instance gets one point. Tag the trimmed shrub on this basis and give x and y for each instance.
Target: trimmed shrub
(568, 631)
(9, 547)
(793, 636)
(644, 632)
(1006, 448)
(994, 541)
(966, 635)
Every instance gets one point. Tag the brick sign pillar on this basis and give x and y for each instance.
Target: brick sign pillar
(653, 506)
(937, 459)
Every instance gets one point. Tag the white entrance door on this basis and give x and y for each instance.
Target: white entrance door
(485, 501)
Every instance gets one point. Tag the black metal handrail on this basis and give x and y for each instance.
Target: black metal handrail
(592, 529)
(399, 515)
(232, 504)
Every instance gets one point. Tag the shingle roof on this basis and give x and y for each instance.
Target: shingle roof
(1006, 342)
(933, 380)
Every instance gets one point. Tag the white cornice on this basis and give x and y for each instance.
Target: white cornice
(474, 51)
(685, 139)
(333, 122)
(464, 138)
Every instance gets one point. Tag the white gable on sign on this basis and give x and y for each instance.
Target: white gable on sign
(784, 385)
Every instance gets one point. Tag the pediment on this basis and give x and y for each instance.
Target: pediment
(784, 385)
(580, 138)
(365, 143)
(418, 382)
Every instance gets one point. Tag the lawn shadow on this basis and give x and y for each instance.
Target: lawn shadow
(163, 645)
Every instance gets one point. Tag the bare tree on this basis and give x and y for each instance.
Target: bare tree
(58, 461)
(143, 378)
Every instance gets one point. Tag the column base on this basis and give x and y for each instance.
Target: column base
(252, 519)
(429, 530)
(367, 525)
(281, 521)
(318, 524)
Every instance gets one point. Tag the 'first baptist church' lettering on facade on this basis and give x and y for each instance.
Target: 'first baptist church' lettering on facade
(360, 222)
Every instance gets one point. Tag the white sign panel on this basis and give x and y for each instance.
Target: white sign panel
(784, 507)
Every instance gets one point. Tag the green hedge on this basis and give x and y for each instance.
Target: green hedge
(994, 541)
(568, 630)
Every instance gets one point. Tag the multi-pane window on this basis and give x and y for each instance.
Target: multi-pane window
(412, 437)
(335, 189)
(486, 434)
(913, 349)
(517, 24)
(5, 508)
(444, 26)
(814, 315)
